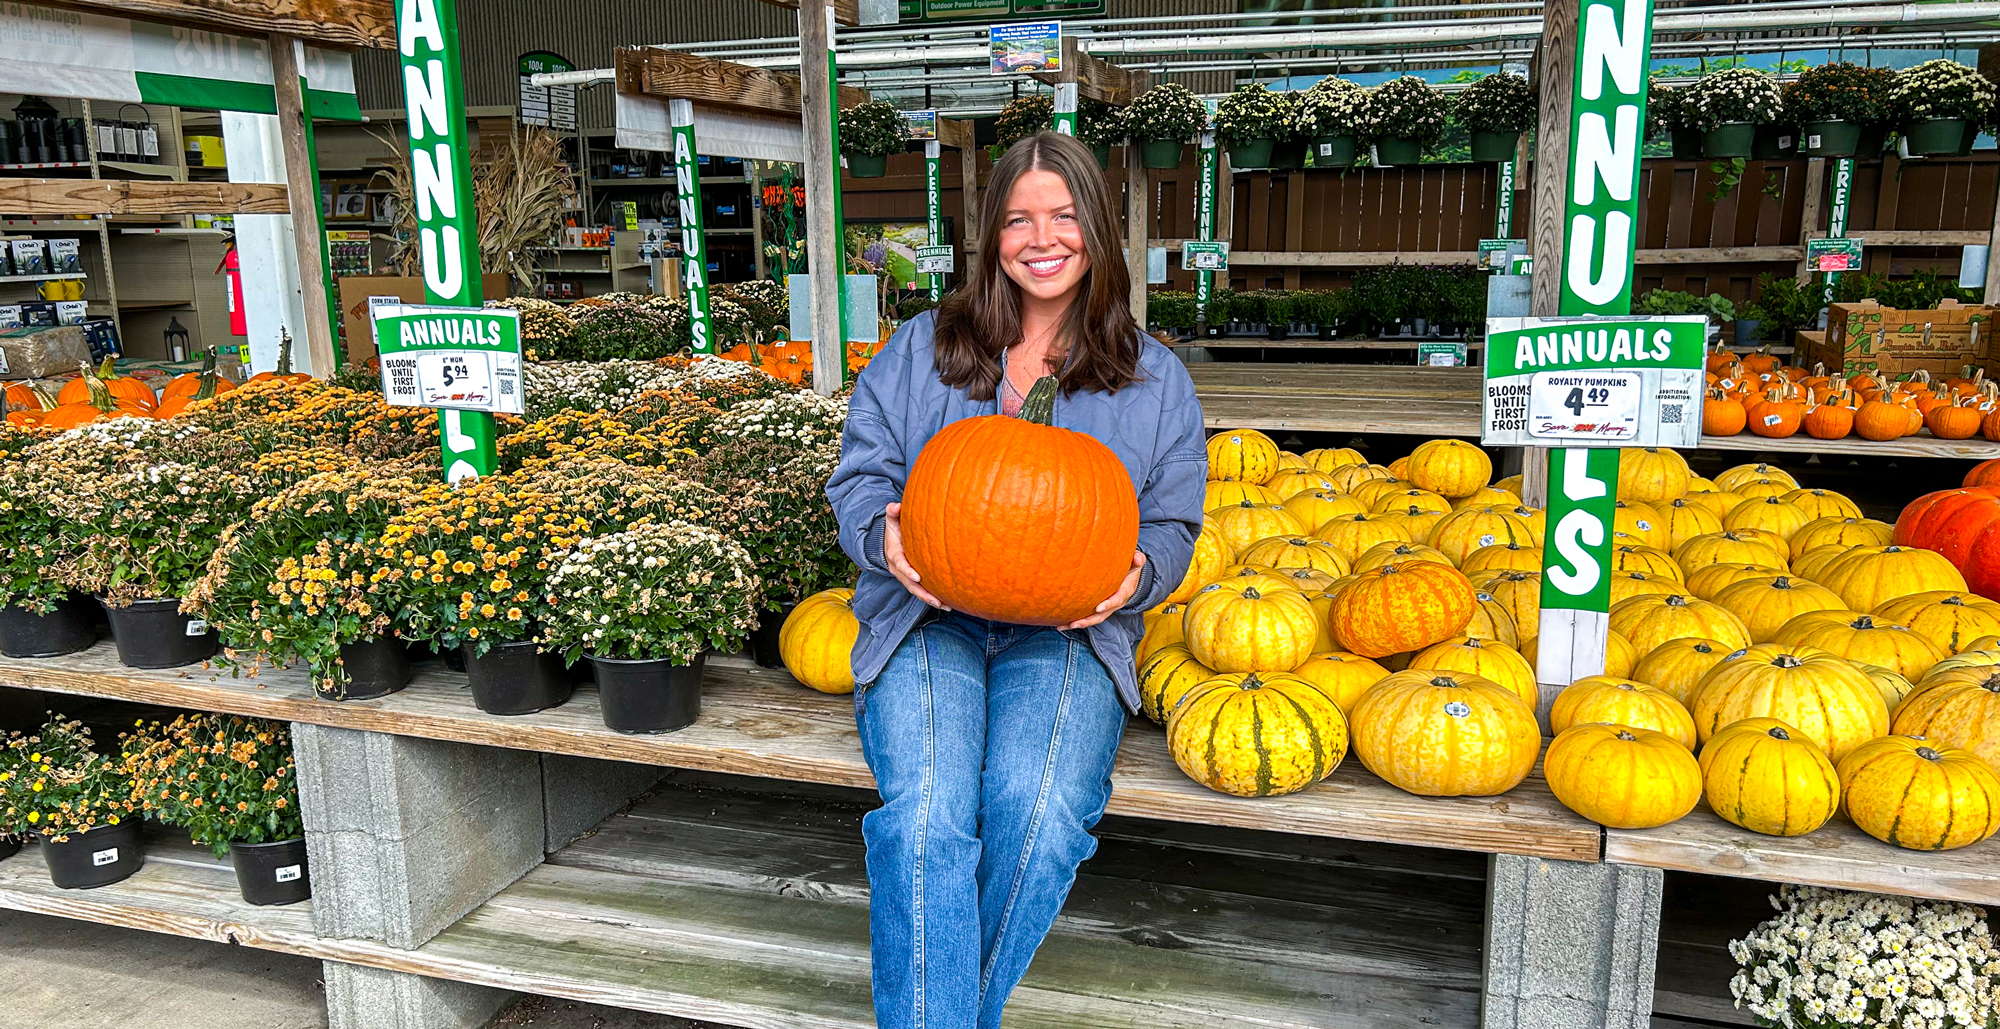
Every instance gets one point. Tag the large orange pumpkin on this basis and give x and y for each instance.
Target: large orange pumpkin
(1017, 520)
(1824, 697)
(1962, 524)
(1985, 473)
(283, 372)
(1400, 608)
(124, 390)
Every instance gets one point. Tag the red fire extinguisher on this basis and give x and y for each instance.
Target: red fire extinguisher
(231, 268)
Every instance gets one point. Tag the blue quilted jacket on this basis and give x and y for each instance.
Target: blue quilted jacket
(1154, 426)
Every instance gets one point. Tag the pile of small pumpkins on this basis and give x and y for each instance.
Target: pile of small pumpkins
(1755, 392)
(792, 360)
(1336, 604)
(101, 394)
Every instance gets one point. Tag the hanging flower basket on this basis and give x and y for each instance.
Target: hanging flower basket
(867, 166)
(1493, 147)
(1940, 102)
(1251, 154)
(1161, 154)
(1730, 139)
(1333, 151)
(1393, 151)
(1103, 153)
(1775, 143)
(1687, 144)
(1496, 108)
(1938, 136)
(1830, 139)
(1162, 119)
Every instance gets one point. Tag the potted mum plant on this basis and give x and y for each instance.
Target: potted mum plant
(1325, 116)
(1023, 116)
(56, 788)
(1403, 116)
(1667, 115)
(646, 606)
(1101, 126)
(40, 616)
(1835, 103)
(870, 134)
(1496, 109)
(1161, 120)
(230, 782)
(1941, 104)
(1728, 105)
(1249, 123)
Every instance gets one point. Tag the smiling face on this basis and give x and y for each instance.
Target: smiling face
(1041, 240)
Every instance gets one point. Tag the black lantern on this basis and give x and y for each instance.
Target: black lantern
(177, 340)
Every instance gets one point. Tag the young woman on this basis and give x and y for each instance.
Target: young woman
(991, 743)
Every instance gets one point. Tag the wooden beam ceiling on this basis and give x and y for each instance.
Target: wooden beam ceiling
(674, 75)
(346, 24)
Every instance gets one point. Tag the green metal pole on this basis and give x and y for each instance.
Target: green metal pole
(1064, 118)
(694, 244)
(447, 227)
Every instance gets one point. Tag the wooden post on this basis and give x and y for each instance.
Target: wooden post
(1138, 213)
(822, 170)
(1809, 216)
(302, 195)
(1555, 67)
(1993, 257)
(968, 184)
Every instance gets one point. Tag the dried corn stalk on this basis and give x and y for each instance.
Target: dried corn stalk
(520, 196)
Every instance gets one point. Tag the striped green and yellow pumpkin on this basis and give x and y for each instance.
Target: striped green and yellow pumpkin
(1163, 677)
(1764, 775)
(1257, 734)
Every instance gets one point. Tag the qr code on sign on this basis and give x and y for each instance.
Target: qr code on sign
(1670, 415)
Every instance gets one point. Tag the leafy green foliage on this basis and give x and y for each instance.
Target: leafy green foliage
(875, 129)
(1496, 103)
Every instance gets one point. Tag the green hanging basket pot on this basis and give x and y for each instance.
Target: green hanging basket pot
(1332, 151)
(1288, 155)
(1687, 144)
(1730, 139)
(1160, 154)
(867, 166)
(1830, 139)
(1392, 151)
(1775, 143)
(1251, 154)
(1103, 152)
(1874, 140)
(1971, 137)
(1494, 147)
(1937, 137)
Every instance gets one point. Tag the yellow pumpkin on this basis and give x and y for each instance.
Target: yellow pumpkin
(1393, 553)
(1920, 795)
(1374, 491)
(1813, 563)
(1715, 502)
(1766, 604)
(1868, 577)
(1762, 489)
(1707, 581)
(1651, 620)
(817, 641)
(1401, 608)
(1416, 521)
(1486, 659)
(1306, 580)
(1821, 503)
(1863, 639)
(1768, 778)
(1959, 707)
(1442, 734)
(1744, 473)
(1269, 576)
(1615, 701)
(1490, 621)
(1242, 455)
(1298, 552)
(1488, 496)
(1501, 557)
(1893, 686)
(1677, 666)
(1315, 508)
(1409, 501)
(1211, 556)
(1450, 468)
(1260, 734)
(1349, 476)
(1341, 675)
(1520, 595)
(1685, 519)
(1767, 513)
(1464, 531)
(1952, 619)
(1246, 523)
(1327, 459)
(1166, 630)
(1288, 460)
(1652, 475)
(1626, 585)
(1637, 557)
(1842, 532)
(1729, 548)
(1352, 535)
(1229, 493)
(1291, 482)
(1251, 631)
(1823, 697)
(1624, 777)
(1641, 521)
(1985, 657)
(1165, 677)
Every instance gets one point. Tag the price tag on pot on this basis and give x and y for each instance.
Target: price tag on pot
(466, 359)
(289, 873)
(1583, 405)
(197, 627)
(100, 858)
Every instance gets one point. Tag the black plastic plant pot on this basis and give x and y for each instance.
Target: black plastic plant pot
(1494, 147)
(517, 679)
(1937, 137)
(1251, 154)
(764, 638)
(9, 846)
(1775, 143)
(271, 873)
(375, 668)
(1874, 140)
(70, 627)
(1830, 139)
(1686, 144)
(100, 857)
(867, 166)
(1732, 139)
(1333, 151)
(648, 696)
(1391, 152)
(1288, 155)
(1161, 154)
(1971, 137)
(1277, 330)
(154, 634)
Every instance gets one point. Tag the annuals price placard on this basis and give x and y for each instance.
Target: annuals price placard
(462, 359)
(1620, 382)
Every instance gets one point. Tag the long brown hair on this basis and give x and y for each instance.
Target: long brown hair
(983, 315)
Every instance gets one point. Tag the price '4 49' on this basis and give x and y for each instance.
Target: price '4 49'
(1580, 398)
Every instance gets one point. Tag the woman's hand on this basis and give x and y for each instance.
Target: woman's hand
(1118, 599)
(899, 566)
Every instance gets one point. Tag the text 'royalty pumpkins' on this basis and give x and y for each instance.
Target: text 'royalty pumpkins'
(1017, 520)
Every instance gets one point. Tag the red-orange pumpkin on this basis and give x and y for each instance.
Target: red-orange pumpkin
(1016, 520)
(1962, 524)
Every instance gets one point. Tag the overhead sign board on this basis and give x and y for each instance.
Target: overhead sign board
(1026, 48)
(456, 358)
(553, 106)
(1594, 382)
(977, 10)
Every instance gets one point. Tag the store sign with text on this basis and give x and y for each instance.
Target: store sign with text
(456, 358)
(1594, 381)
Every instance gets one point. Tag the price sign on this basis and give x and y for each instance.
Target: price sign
(938, 259)
(1594, 381)
(1584, 405)
(456, 358)
(1205, 255)
(1840, 254)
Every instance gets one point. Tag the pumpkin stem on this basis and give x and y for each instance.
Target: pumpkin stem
(100, 394)
(1039, 406)
(43, 396)
(1863, 622)
(1445, 682)
(206, 389)
(1677, 600)
(1777, 732)
(1626, 736)
(1787, 661)
(1929, 755)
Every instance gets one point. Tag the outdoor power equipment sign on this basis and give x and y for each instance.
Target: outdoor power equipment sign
(1623, 382)
(456, 358)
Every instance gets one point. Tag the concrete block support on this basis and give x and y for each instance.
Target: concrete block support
(1570, 945)
(406, 835)
(358, 997)
(579, 792)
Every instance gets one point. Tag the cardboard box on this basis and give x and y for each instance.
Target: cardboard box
(1867, 337)
(359, 329)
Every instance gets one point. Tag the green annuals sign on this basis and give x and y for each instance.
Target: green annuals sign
(1607, 122)
(694, 246)
(1594, 381)
(457, 358)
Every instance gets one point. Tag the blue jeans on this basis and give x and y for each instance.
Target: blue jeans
(992, 747)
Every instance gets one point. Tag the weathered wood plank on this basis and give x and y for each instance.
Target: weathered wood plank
(302, 197)
(678, 75)
(1837, 855)
(1095, 78)
(761, 723)
(58, 197)
(955, 133)
(338, 23)
(846, 12)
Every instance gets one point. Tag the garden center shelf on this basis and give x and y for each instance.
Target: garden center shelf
(1445, 402)
(1313, 343)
